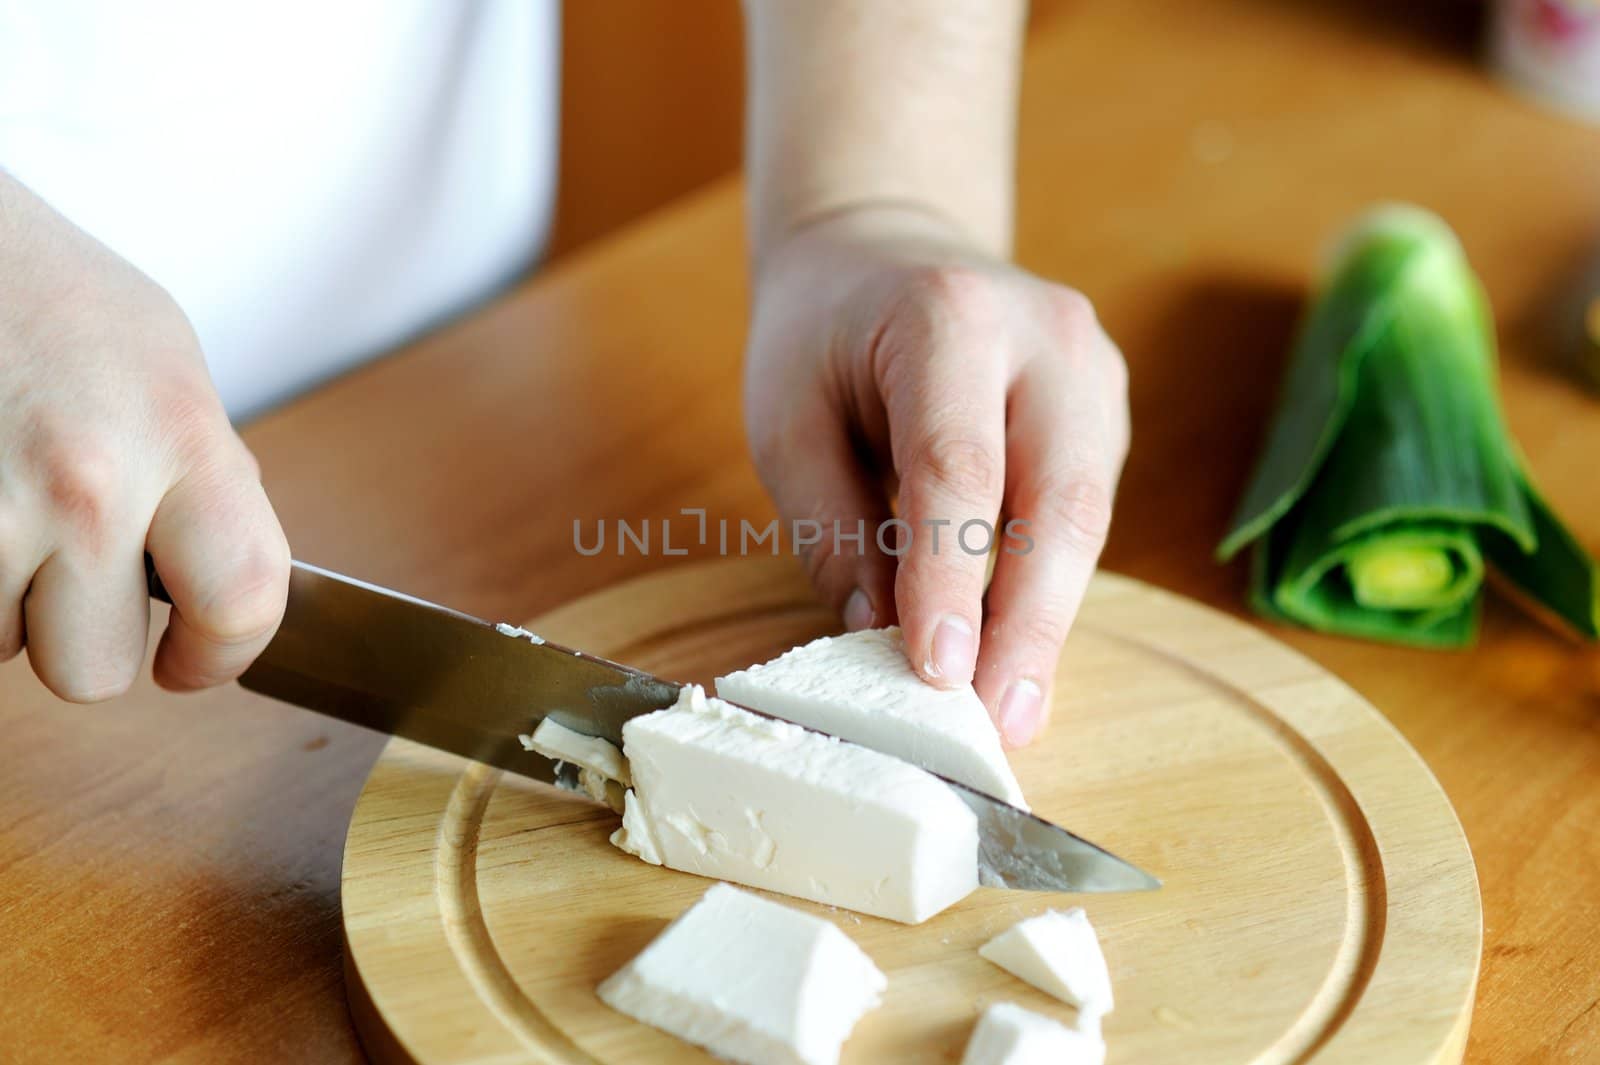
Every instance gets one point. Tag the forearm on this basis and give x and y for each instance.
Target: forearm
(894, 102)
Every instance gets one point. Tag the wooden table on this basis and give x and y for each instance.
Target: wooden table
(169, 866)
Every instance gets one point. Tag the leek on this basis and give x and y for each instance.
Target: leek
(1389, 481)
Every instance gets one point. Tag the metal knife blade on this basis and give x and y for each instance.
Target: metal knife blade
(410, 668)
(406, 667)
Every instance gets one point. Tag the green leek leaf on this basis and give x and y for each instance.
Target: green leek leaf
(1389, 476)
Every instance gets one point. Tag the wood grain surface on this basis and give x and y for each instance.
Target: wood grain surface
(169, 866)
(643, 124)
(1318, 896)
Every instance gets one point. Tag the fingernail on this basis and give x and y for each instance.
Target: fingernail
(858, 611)
(1019, 712)
(954, 650)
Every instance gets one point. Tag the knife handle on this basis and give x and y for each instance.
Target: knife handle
(152, 580)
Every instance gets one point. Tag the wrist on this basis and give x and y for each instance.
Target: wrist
(901, 229)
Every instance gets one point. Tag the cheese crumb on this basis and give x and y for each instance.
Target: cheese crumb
(517, 632)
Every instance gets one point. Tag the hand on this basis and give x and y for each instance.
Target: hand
(113, 443)
(883, 350)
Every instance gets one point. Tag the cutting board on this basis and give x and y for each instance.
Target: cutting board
(1320, 901)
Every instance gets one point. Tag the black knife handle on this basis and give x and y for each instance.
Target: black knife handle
(152, 580)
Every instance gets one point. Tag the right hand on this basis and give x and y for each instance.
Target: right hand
(113, 443)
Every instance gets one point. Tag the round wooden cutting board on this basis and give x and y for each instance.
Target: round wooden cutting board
(1320, 901)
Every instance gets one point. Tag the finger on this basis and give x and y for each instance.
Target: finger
(1064, 450)
(19, 560)
(86, 615)
(13, 632)
(827, 496)
(945, 394)
(219, 550)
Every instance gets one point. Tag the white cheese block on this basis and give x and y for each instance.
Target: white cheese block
(861, 688)
(751, 981)
(1057, 952)
(1007, 1034)
(725, 793)
(635, 835)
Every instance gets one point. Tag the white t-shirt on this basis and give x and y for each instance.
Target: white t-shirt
(314, 181)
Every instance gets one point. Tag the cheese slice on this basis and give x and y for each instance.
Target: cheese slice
(751, 981)
(1057, 952)
(1007, 1034)
(725, 793)
(861, 688)
(559, 743)
(602, 771)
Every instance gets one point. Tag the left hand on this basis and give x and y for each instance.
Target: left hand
(884, 349)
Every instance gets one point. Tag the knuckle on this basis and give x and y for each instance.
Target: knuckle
(1110, 373)
(102, 667)
(822, 566)
(1072, 330)
(194, 429)
(157, 321)
(82, 478)
(1040, 632)
(960, 466)
(250, 597)
(1071, 313)
(1083, 511)
(1117, 372)
(84, 688)
(824, 563)
(959, 290)
(934, 302)
(1077, 509)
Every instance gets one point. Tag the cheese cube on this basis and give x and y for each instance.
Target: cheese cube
(1057, 953)
(725, 793)
(1007, 1034)
(861, 688)
(751, 981)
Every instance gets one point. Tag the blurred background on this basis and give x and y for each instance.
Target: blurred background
(643, 124)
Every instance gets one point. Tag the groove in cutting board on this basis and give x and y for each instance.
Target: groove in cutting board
(1364, 878)
(456, 871)
(1321, 903)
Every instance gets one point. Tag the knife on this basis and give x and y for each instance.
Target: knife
(405, 667)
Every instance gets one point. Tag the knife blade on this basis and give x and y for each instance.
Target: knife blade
(406, 667)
